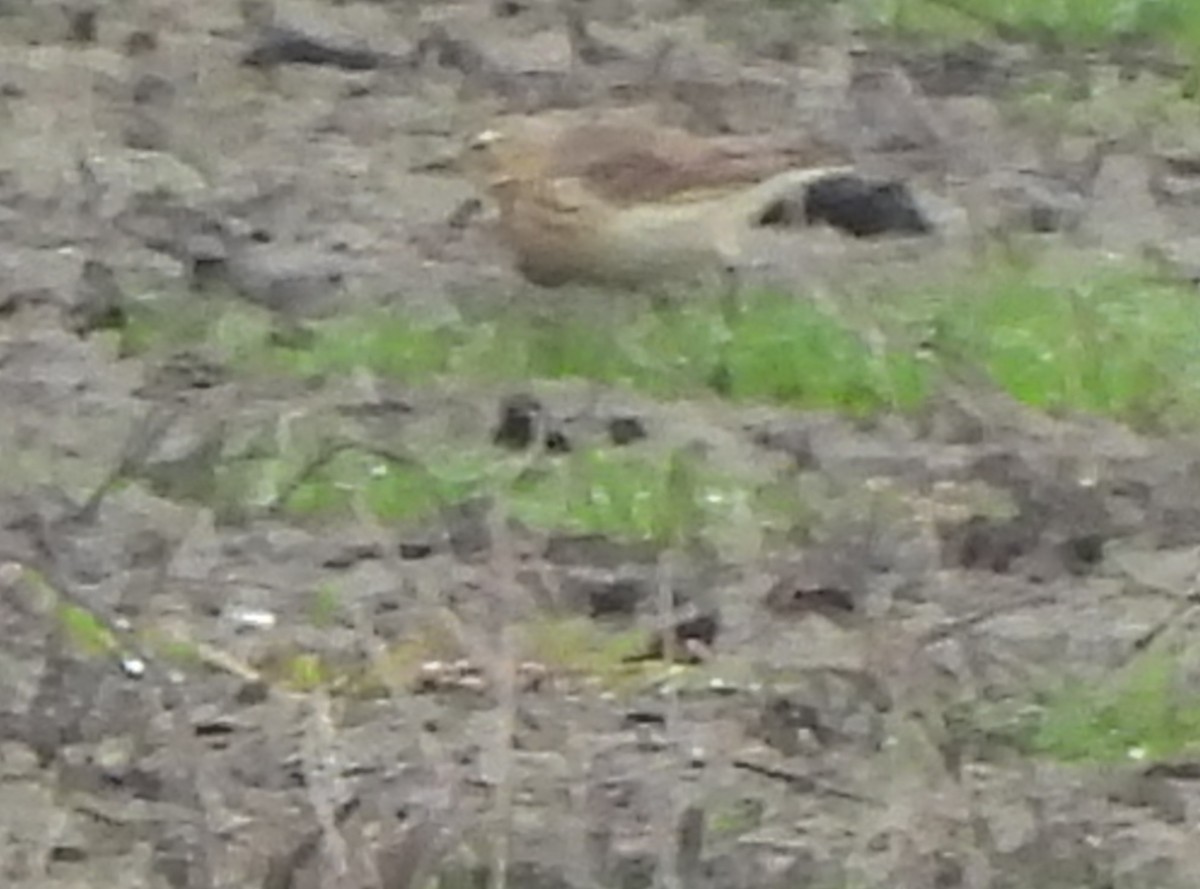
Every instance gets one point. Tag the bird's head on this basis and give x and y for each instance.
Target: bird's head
(496, 158)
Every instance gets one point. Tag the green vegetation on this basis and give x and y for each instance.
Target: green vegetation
(1062, 22)
(325, 606)
(1117, 343)
(579, 646)
(87, 633)
(1144, 711)
(1108, 107)
(780, 350)
(1114, 341)
(392, 490)
(229, 331)
(623, 494)
(574, 647)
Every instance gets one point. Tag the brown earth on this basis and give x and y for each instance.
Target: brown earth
(835, 735)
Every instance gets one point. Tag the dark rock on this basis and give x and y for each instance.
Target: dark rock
(506, 9)
(284, 46)
(82, 24)
(351, 553)
(790, 596)
(520, 416)
(692, 636)
(1061, 527)
(411, 550)
(557, 442)
(606, 593)
(448, 51)
(140, 43)
(99, 302)
(596, 550)
(782, 720)
(152, 89)
(829, 581)
(625, 430)
(986, 544)
(793, 439)
(467, 527)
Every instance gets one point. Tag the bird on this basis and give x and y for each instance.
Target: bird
(618, 200)
(614, 198)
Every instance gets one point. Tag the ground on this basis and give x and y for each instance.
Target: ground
(335, 555)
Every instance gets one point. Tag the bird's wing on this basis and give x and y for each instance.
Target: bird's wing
(629, 165)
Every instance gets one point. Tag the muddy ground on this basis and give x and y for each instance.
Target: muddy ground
(852, 724)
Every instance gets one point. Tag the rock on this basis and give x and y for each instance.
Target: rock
(625, 430)
(520, 417)
(122, 176)
(275, 46)
(1122, 214)
(288, 279)
(1032, 202)
(99, 301)
(888, 112)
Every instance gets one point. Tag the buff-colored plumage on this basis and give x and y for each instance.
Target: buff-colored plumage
(618, 199)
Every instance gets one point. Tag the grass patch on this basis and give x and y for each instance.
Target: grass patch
(1079, 23)
(581, 647)
(1108, 105)
(87, 633)
(624, 494)
(386, 343)
(785, 351)
(1112, 341)
(567, 646)
(232, 331)
(1116, 343)
(628, 497)
(392, 490)
(779, 350)
(1145, 712)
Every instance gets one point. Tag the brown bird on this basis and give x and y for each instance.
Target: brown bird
(618, 199)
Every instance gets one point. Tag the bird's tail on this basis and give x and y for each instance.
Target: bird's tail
(790, 185)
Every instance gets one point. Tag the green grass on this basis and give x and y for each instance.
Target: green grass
(87, 632)
(780, 350)
(625, 494)
(582, 646)
(1174, 23)
(393, 490)
(231, 330)
(1115, 343)
(385, 343)
(1109, 340)
(1125, 109)
(1145, 712)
